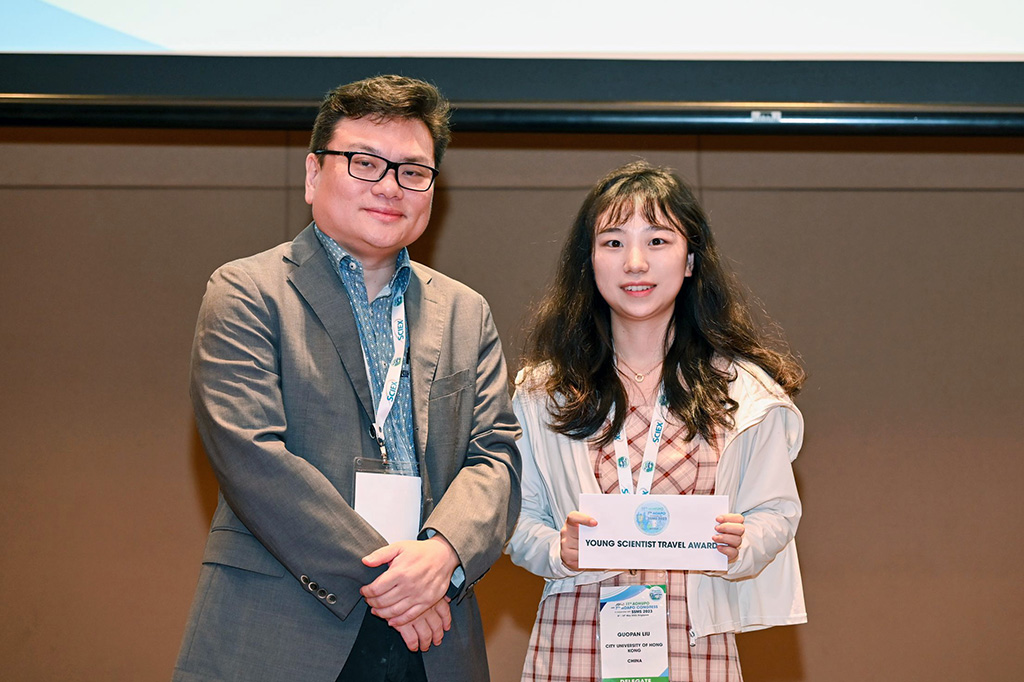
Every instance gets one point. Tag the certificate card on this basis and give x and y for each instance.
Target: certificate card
(634, 633)
(652, 531)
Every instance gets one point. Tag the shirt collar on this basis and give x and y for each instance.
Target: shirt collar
(340, 259)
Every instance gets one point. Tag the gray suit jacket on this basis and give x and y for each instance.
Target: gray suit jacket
(282, 404)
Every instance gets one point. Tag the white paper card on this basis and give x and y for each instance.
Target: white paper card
(652, 531)
(634, 633)
(390, 503)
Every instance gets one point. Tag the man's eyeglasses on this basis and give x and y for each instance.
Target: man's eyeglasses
(373, 168)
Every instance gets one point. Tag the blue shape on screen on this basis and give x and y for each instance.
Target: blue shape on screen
(35, 26)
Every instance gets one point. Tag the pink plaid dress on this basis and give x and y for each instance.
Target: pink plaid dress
(563, 645)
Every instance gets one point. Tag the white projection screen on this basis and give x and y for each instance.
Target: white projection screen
(874, 66)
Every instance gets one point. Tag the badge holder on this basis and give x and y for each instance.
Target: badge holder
(632, 633)
(388, 495)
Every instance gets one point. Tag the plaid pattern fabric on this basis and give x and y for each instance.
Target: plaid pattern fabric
(563, 644)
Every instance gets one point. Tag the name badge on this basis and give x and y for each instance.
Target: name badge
(634, 633)
(388, 500)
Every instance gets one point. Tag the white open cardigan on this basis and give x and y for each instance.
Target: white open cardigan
(762, 587)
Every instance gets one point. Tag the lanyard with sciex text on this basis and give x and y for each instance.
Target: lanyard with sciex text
(646, 478)
(389, 392)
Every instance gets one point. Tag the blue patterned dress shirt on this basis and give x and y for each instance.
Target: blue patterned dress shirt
(373, 319)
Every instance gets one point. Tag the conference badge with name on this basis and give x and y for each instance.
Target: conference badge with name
(634, 633)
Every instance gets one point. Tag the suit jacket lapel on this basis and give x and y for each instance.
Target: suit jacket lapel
(423, 312)
(320, 286)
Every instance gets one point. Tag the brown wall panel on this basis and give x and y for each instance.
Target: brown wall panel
(141, 158)
(504, 244)
(893, 266)
(905, 323)
(862, 163)
(557, 161)
(102, 483)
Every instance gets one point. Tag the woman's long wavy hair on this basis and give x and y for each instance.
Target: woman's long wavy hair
(711, 321)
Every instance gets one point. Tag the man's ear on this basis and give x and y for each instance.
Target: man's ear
(312, 176)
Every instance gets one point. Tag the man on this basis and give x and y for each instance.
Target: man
(329, 374)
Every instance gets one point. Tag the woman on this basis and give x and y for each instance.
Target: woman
(641, 307)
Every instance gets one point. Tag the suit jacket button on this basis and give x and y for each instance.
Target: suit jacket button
(331, 599)
(312, 586)
(304, 580)
(321, 593)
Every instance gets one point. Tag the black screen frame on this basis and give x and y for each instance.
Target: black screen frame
(527, 95)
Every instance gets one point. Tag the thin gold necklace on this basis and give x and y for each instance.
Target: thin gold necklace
(638, 377)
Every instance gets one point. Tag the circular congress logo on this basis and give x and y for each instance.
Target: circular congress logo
(651, 517)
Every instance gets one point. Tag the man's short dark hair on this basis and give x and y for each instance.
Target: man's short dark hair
(381, 98)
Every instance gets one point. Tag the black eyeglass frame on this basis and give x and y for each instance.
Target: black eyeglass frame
(388, 165)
